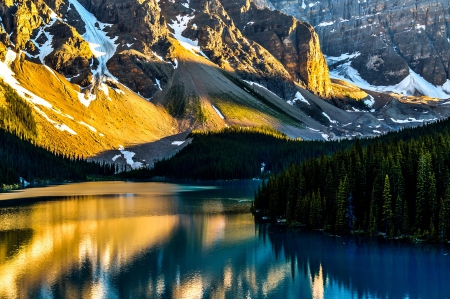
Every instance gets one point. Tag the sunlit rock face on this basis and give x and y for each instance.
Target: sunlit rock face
(292, 42)
(391, 36)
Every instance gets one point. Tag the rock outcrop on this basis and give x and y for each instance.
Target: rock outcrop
(140, 72)
(225, 45)
(138, 21)
(292, 42)
(72, 55)
(392, 36)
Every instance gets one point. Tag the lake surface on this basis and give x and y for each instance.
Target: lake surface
(161, 240)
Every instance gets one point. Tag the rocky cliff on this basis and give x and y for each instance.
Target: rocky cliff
(292, 42)
(392, 37)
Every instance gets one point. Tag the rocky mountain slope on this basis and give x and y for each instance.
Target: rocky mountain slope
(394, 43)
(103, 76)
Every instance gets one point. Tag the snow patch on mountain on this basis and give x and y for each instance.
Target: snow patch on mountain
(7, 75)
(86, 98)
(324, 24)
(261, 4)
(158, 83)
(60, 126)
(259, 85)
(412, 120)
(298, 97)
(178, 26)
(370, 101)
(158, 56)
(128, 156)
(88, 126)
(218, 112)
(342, 58)
(329, 118)
(413, 84)
(47, 47)
(101, 46)
(103, 87)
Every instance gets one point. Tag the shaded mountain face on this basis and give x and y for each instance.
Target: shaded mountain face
(393, 39)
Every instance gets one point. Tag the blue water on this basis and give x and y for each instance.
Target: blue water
(156, 240)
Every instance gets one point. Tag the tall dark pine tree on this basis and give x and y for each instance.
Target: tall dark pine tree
(388, 215)
(341, 203)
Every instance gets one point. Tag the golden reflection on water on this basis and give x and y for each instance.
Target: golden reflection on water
(317, 285)
(113, 231)
(68, 232)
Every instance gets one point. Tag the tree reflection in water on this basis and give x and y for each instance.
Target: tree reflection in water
(152, 240)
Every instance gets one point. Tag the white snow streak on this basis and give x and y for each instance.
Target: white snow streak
(158, 83)
(218, 112)
(89, 126)
(61, 127)
(298, 97)
(326, 115)
(259, 85)
(324, 24)
(412, 120)
(8, 77)
(101, 46)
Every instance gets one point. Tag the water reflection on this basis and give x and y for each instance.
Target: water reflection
(175, 241)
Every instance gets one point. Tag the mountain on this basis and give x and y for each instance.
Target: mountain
(400, 45)
(125, 81)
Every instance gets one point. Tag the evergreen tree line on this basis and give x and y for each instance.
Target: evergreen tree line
(238, 152)
(21, 158)
(398, 185)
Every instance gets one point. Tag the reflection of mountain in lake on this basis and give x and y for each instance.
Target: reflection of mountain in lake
(178, 241)
(368, 267)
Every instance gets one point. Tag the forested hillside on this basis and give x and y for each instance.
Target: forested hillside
(398, 185)
(240, 153)
(20, 158)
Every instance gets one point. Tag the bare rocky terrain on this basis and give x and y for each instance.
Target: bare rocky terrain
(391, 36)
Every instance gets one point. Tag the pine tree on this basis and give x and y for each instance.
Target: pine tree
(341, 203)
(444, 215)
(406, 226)
(398, 215)
(388, 215)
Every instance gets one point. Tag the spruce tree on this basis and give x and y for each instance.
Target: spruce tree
(388, 215)
(341, 204)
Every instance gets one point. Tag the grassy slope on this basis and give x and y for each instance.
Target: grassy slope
(122, 118)
(197, 84)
